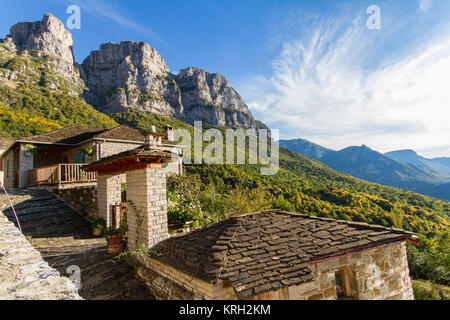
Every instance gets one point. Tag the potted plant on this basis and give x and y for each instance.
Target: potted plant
(97, 227)
(115, 237)
(88, 152)
(115, 243)
(31, 149)
(186, 226)
(196, 225)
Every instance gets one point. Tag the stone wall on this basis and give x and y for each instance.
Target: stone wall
(10, 166)
(175, 167)
(147, 206)
(168, 283)
(377, 274)
(109, 148)
(24, 275)
(108, 194)
(82, 199)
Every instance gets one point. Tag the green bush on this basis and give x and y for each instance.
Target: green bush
(426, 290)
(431, 261)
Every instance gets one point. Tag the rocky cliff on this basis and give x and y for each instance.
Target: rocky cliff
(49, 40)
(48, 35)
(131, 75)
(134, 75)
(210, 97)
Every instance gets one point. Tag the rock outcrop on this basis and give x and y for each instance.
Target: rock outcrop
(49, 40)
(131, 75)
(209, 97)
(134, 75)
(48, 35)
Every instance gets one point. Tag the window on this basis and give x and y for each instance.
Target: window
(79, 158)
(343, 287)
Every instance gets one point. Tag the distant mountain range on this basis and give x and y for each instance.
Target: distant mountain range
(440, 165)
(402, 169)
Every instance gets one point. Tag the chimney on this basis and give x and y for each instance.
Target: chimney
(152, 138)
(169, 133)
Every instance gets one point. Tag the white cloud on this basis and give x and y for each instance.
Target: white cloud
(325, 88)
(425, 5)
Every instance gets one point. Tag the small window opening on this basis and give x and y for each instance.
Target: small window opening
(343, 287)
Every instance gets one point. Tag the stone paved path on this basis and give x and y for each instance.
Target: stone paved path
(63, 238)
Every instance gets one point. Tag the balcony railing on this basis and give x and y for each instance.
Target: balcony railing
(60, 173)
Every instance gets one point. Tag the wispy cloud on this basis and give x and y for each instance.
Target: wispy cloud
(112, 11)
(425, 5)
(326, 86)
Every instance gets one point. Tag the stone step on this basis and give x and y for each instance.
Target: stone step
(35, 203)
(58, 231)
(50, 214)
(31, 198)
(36, 209)
(70, 221)
(59, 228)
(43, 224)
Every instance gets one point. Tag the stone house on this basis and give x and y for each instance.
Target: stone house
(55, 159)
(265, 255)
(283, 256)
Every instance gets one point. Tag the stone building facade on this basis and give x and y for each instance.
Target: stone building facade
(281, 256)
(377, 274)
(145, 169)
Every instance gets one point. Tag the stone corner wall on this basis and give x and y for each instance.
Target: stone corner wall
(378, 274)
(147, 210)
(24, 275)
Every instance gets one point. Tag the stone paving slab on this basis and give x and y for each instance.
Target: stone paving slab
(63, 238)
(23, 272)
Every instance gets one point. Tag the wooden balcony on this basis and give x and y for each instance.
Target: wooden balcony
(60, 174)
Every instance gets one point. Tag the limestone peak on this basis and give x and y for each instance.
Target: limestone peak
(48, 35)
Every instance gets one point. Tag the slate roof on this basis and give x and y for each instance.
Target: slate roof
(5, 142)
(122, 132)
(264, 251)
(69, 135)
(78, 133)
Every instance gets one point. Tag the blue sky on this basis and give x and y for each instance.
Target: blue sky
(309, 68)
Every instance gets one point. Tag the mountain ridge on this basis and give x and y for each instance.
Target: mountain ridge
(133, 75)
(365, 163)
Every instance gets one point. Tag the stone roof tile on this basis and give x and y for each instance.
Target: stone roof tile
(257, 262)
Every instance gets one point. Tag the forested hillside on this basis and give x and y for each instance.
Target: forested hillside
(422, 175)
(34, 98)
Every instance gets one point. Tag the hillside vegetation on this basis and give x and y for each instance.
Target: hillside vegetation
(418, 174)
(38, 100)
